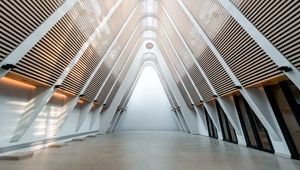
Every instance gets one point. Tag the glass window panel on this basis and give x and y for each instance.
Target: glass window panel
(288, 115)
(223, 122)
(233, 135)
(247, 123)
(263, 135)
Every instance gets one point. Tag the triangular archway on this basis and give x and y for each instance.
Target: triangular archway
(148, 108)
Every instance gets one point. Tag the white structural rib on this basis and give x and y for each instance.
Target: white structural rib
(279, 59)
(178, 75)
(200, 115)
(33, 108)
(83, 115)
(260, 105)
(108, 114)
(107, 53)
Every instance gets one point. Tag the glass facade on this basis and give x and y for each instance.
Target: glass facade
(285, 101)
(255, 133)
(212, 130)
(227, 129)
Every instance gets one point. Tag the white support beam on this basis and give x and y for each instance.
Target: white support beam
(233, 120)
(107, 77)
(67, 108)
(229, 107)
(33, 107)
(14, 57)
(95, 118)
(178, 75)
(107, 53)
(114, 121)
(279, 59)
(168, 92)
(119, 58)
(165, 86)
(183, 121)
(176, 72)
(117, 122)
(271, 125)
(216, 122)
(211, 112)
(178, 121)
(126, 96)
(84, 111)
(258, 97)
(181, 63)
(209, 43)
(123, 68)
(200, 118)
(107, 115)
(44, 98)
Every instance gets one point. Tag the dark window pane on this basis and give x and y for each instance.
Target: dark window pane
(287, 113)
(263, 135)
(247, 123)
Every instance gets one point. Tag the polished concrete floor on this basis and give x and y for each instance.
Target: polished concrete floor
(151, 151)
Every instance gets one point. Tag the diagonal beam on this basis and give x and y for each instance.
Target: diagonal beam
(268, 123)
(123, 68)
(135, 81)
(83, 115)
(200, 115)
(211, 112)
(255, 97)
(107, 115)
(169, 95)
(39, 33)
(279, 59)
(183, 84)
(36, 107)
(127, 97)
(106, 55)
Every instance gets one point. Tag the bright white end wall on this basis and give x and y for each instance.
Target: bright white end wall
(148, 108)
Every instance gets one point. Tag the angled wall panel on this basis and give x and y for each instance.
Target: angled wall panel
(19, 19)
(206, 59)
(81, 71)
(279, 22)
(49, 57)
(243, 55)
(215, 72)
(96, 83)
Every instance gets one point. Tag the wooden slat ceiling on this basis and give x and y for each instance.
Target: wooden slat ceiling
(278, 21)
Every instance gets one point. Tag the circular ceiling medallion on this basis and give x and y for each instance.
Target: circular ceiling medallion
(149, 46)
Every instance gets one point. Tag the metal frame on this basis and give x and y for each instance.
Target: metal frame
(35, 108)
(279, 59)
(255, 97)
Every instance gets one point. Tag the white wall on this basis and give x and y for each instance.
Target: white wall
(14, 96)
(13, 100)
(148, 108)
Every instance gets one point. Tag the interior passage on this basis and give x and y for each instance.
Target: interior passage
(158, 84)
(152, 151)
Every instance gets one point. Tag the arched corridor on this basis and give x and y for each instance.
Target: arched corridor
(218, 80)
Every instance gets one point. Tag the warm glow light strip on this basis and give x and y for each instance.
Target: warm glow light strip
(80, 101)
(17, 83)
(56, 94)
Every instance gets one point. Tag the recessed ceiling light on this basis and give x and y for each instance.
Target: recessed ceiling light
(149, 46)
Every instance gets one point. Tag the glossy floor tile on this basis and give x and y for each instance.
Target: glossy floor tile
(151, 151)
